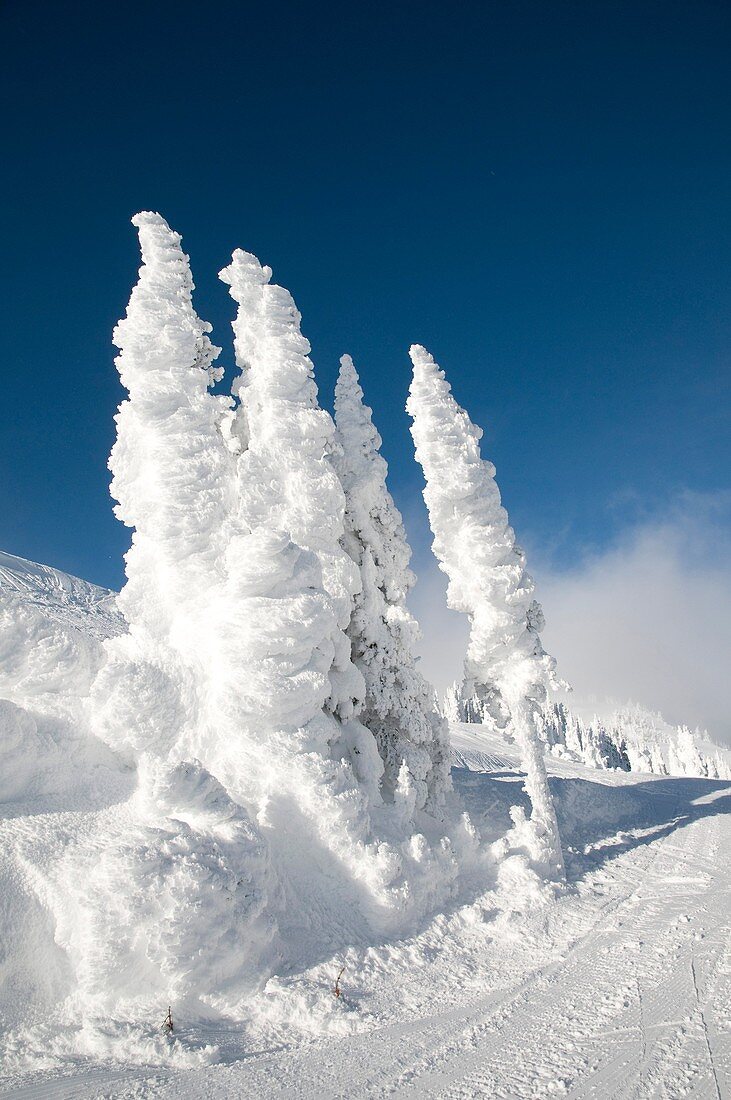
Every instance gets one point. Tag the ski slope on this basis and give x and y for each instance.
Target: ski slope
(619, 987)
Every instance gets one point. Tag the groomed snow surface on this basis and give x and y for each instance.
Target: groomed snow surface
(619, 986)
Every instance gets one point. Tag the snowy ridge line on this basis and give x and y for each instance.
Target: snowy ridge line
(22, 575)
(60, 593)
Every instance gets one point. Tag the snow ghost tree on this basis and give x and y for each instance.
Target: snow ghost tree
(475, 546)
(313, 768)
(285, 439)
(399, 705)
(170, 470)
(173, 480)
(189, 860)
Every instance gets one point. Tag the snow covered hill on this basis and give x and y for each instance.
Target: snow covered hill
(52, 626)
(619, 987)
(61, 595)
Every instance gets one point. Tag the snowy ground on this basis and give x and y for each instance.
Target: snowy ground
(619, 988)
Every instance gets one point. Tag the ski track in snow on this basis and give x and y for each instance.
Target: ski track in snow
(619, 989)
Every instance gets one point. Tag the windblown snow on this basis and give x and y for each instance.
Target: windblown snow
(234, 859)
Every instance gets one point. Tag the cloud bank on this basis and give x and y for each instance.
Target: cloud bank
(648, 618)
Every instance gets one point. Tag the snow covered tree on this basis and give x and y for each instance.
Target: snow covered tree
(399, 705)
(313, 767)
(451, 703)
(172, 476)
(475, 546)
(286, 440)
(685, 755)
(174, 481)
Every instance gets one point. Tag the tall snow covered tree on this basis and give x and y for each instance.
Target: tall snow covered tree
(286, 440)
(399, 706)
(172, 475)
(475, 546)
(187, 859)
(291, 585)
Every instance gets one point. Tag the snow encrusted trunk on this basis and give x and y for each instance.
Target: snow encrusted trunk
(475, 546)
(174, 899)
(311, 766)
(399, 706)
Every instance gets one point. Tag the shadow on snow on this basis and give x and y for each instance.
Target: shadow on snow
(598, 821)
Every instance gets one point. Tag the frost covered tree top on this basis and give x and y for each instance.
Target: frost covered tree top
(399, 705)
(170, 468)
(279, 419)
(371, 512)
(473, 540)
(273, 357)
(161, 324)
(355, 425)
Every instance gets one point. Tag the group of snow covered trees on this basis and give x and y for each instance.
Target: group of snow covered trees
(630, 738)
(293, 767)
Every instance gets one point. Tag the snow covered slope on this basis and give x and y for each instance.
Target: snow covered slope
(52, 627)
(55, 777)
(619, 988)
(62, 597)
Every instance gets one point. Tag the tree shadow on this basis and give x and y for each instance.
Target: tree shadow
(598, 821)
(645, 812)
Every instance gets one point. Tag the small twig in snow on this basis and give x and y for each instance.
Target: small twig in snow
(336, 988)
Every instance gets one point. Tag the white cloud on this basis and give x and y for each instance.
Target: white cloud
(648, 618)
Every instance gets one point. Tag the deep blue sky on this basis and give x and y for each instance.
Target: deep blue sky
(539, 192)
